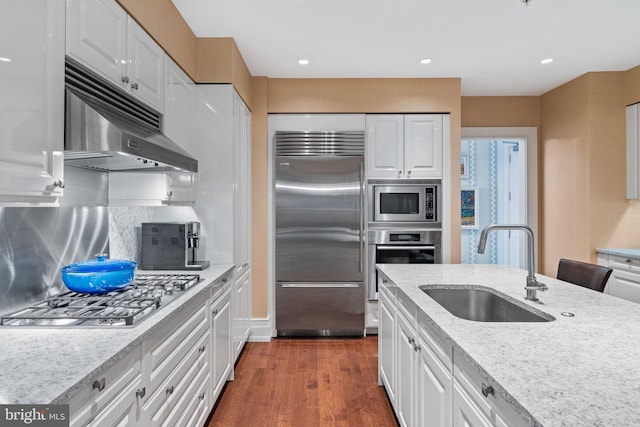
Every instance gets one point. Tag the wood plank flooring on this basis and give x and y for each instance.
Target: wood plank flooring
(306, 383)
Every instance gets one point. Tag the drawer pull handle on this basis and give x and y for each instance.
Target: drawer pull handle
(201, 396)
(141, 392)
(201, 349)
(486, 390)
(99, 384)
(169, 390)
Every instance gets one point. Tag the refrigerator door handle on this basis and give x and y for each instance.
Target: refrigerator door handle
(361, 260)
(319, 285)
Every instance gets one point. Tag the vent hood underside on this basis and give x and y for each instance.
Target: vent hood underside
(107, 130)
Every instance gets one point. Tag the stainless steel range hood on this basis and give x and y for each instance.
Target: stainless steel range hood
(107, 130)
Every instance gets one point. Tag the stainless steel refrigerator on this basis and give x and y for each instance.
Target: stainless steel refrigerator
(319, 246)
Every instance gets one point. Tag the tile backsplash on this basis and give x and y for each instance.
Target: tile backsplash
(124, 230)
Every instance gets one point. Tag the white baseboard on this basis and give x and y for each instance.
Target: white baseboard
(260, 330)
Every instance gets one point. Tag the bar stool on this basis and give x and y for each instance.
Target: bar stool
(583, 274)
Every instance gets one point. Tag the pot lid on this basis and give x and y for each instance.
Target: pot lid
(101, 263)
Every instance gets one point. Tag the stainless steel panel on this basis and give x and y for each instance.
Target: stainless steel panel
(36, 242)
(320, 309)
(319, 219)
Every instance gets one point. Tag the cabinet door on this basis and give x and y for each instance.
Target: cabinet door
(384, 146)
(123, 410)
(423, 145)
(222, 340)
(386, 344)
(465, 412)
(434, 390)
(97, 36)
(32, 100)
(178, 119)
(406, 371)
(146, 66)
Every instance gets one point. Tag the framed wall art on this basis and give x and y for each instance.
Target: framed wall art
(469, 207)
(464, 166)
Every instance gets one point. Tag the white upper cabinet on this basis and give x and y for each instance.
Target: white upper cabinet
(103, 37)
(32, 101)
(404, 146)
(633, 151)
(178, 119)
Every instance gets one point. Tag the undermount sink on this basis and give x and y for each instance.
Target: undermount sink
(482, 305)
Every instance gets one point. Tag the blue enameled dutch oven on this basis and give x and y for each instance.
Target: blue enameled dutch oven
(98, 276)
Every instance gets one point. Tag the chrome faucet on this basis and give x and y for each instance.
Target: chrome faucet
(532, 283)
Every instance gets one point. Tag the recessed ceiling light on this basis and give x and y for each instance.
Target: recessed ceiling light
(546, 61)
(303, 61)
(3, 59)
(425, 61)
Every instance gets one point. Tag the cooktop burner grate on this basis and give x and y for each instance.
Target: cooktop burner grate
(147, 293)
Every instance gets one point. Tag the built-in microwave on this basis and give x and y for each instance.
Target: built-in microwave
(402, 201)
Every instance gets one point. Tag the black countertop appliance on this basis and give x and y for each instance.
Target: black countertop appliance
(171, 246)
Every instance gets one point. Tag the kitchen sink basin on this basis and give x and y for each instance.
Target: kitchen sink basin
(482, 305)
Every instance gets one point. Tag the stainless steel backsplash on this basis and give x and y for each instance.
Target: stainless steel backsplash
(36, 242)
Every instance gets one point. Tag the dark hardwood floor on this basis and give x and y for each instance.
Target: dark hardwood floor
(306, 383)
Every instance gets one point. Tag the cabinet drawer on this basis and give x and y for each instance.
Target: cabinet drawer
(408, 309)
(88, 402)
(167, 347)
(472, 383)
(190, 399)
(493, 406)
(625, 285)
(165, 398)
(440, 348)
(622, 263)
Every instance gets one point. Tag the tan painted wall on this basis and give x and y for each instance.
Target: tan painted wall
(220, 61)
(565, 196)
(378, 96)
(632, 90)
(500, 111)
(259, 207)
(583, 170)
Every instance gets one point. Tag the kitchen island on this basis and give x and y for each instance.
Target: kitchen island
(573, 371)
(49, 365)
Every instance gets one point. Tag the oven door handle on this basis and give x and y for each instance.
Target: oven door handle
(404, 248)
(319, 285)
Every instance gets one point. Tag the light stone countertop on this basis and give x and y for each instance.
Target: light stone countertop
(633, 253)
(41, 365)
(574, 371)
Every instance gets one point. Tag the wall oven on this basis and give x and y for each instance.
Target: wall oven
(401, 246)
(404, 201)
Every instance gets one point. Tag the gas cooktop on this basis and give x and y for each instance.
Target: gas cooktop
(146, 294)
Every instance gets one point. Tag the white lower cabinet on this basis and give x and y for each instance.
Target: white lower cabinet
(173, 378)
(624, 281)
(421, 393)
(173, 359)
(416, 366)
(387, 341)
(221, 357)
(112, 396)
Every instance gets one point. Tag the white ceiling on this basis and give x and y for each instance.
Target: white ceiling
(494, 46)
